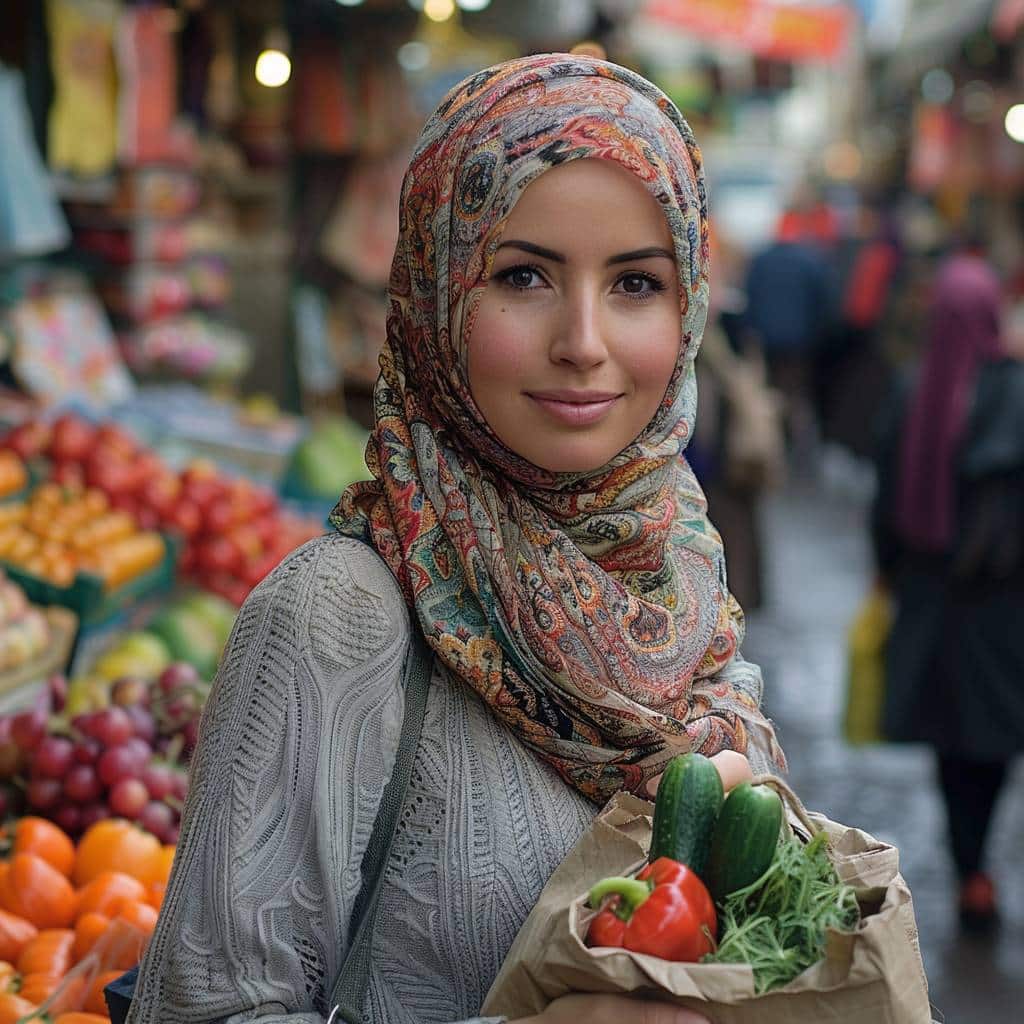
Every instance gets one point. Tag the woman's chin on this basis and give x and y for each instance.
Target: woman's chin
(572, 459)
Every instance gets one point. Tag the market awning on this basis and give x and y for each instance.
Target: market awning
(766, 28)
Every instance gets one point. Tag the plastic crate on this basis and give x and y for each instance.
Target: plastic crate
(88, 598)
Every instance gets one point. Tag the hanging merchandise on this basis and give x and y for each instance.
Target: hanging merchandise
(323, 116)
(385, 108)
(359, 239)
(64, 348)
(83, 117)
(345, 102)
(31, 222)
(193, 346)
(147, 102)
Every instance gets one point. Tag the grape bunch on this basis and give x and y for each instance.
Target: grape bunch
(127, 760)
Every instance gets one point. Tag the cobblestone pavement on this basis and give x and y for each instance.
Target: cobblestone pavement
(817, 568)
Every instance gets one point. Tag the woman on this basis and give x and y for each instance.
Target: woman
(947, 523)
(532, 514)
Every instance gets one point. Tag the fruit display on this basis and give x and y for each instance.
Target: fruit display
(59, 531)
(24, 629)
(328, 459)
(13, 473)
(233, 531)
(192, 628)
(74, 915)
(115, 740)
(126, 760)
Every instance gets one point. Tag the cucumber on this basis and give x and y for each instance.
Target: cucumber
(744, 839)
(688, 801)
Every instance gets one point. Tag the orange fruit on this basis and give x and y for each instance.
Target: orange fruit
(38, 987)
(117, 845)
(80, 1017)
(121, 945)
(106, 892)
(89, 929)
(139, 914)
(15, 933)
(155, 894)
(38, 892)
(13, 1008)
(50, 952)
(8, 975)
(94, 1001)
(46, 840)
(164, 862)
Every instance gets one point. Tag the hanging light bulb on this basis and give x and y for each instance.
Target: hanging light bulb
(273, 65)
(350, 3)
(438, 10)
(1014, 122)
(273, 68)
(473, 5)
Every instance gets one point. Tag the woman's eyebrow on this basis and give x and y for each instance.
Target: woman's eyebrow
(642, 254)
(557, 257)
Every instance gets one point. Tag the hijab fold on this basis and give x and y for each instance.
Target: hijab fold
(583, 608)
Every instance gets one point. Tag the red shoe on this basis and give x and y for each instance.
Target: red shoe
(977, 907)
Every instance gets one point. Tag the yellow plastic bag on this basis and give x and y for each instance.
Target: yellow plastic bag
(865, 668)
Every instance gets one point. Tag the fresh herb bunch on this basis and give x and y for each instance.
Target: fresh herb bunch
(778, 923)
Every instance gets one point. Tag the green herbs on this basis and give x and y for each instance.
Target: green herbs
(778, 923)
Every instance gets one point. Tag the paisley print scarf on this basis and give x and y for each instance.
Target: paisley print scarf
(588, 611)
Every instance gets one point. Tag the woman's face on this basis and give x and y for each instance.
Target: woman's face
(578, 330)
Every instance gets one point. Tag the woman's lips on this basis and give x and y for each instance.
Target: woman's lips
(576, 410)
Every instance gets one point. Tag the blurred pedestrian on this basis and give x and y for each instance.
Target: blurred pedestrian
(948, 529)
(852, 363)
(790, 309)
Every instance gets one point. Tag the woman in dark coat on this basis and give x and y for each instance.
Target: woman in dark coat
(948, 526)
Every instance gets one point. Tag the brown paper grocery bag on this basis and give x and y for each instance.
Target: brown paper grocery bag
(871, 976)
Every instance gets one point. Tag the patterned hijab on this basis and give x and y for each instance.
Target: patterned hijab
(587, 610)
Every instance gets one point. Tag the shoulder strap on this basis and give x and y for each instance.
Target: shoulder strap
(349, 992)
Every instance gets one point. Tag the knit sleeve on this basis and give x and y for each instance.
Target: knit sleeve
(297, 743)
(726, 701)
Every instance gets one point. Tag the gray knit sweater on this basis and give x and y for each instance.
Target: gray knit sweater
(298, 741)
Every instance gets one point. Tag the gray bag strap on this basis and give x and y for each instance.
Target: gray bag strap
(349, 992)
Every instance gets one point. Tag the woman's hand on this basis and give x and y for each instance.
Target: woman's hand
(732, 766)
(574, 1008)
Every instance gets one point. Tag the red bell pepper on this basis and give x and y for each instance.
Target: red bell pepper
(665, 911)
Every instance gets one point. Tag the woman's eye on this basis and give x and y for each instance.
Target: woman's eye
(520, 277)
(640, 285)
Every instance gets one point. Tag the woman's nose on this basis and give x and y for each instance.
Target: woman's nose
(578, 337)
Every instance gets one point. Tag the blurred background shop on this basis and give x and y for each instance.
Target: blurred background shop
(198, 207)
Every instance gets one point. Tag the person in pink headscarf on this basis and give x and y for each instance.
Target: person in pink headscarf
(948, 523)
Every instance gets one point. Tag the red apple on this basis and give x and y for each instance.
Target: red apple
(185, 517)
(114, 436)
(72, 438)
(218, 554)
(28, 439)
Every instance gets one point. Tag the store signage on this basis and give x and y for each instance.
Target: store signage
(772, 30)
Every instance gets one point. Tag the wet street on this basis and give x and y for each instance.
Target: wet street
(817, 568)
